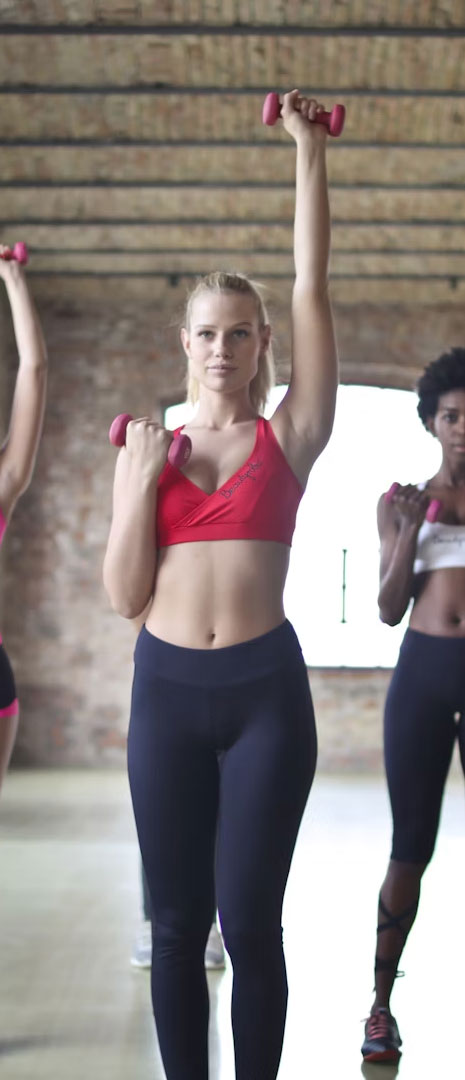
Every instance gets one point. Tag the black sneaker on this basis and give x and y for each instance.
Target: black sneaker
(382, 1040)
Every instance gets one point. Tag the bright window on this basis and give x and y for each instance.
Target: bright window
(377, 438)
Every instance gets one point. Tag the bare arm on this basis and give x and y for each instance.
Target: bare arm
(19, 451)
(308, 407)
(130, 560)
(398, 523)
(139, 621)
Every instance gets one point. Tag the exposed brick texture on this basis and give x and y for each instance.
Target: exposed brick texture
(71, 653)
(134, 157)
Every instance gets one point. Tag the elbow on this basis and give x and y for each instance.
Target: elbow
(126, 610)
(123, 605)
(123, 602)
(388, 615)
(389, 619)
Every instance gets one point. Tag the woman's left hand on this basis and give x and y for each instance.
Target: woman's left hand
(298, 115)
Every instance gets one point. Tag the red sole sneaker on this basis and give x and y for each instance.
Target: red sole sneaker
(383, 1055)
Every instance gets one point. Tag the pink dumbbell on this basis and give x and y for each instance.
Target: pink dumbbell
(178, 453)
(433, 508)
(334, 120)
(19, 252)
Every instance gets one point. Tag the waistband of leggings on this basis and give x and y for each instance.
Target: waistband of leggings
(433, 645)
(218, 667)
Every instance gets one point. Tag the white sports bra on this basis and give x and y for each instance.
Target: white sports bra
(439, 546)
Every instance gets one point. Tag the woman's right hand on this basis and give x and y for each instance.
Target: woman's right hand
(10, 269)
(298, 115)
(410, 505)
(147, 444)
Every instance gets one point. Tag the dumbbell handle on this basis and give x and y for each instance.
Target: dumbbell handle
(333, 120)
(19, 252)
(433, 508)
(178, 453)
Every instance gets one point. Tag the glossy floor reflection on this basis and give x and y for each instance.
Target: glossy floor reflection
(72, 1007)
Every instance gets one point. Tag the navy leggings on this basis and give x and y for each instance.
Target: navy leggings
(8, 699)
(221, 753)
(424, 715)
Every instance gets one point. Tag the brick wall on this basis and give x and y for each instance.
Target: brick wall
(71, 653)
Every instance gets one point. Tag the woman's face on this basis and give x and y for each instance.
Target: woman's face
(224, 340)
(449, 425)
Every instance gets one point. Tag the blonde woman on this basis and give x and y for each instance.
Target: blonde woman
(218, 668)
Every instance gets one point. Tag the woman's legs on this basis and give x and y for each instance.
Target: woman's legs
(419, 735)
(9, 712)
(251, 703)
(397, 907)
(174, 784)
(265, 781)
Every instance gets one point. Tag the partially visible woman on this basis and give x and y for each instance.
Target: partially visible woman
(425, 705)
(18, 452)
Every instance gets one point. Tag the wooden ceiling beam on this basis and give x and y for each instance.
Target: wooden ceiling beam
(232, 164)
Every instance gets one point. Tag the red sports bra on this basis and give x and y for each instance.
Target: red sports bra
(259, 502)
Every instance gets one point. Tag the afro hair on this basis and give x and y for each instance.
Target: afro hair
(442, 375)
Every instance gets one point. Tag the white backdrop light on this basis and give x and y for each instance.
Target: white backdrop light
(377, 438)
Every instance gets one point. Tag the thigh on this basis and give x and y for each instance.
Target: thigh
(461, 717)
(419, 734)
(266, 776)
(173, 775)
(8, 700)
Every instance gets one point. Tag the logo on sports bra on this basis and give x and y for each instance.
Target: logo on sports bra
(457, 541)
(227, 493)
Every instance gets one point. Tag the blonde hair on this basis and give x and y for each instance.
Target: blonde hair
(220, 281)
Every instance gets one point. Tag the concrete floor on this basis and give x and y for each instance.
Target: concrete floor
(72, 1007)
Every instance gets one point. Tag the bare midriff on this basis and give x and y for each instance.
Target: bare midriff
(212, 594)
(439, 606)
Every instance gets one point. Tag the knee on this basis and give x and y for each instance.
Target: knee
(414, 850)
(414, 837)
(175, 938)
(257, 948)
(405, 869)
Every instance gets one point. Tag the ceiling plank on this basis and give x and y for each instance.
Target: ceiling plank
(228, 164)
(227, 117)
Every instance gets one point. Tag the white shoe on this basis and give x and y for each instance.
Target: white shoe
(215, 958)
(141, 956)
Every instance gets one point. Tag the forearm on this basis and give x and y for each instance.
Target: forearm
(28, 332)
(397, 582)
(312, 217)
(130, 560)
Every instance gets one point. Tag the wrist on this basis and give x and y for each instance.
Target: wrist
(409, 529)
(143, 476)
(310, 143)
(15, 280)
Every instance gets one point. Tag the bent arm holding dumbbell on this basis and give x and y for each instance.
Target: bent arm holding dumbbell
(130, 560)
(399, 522)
